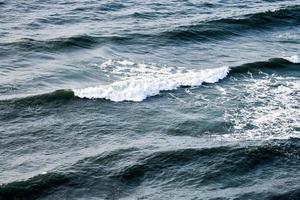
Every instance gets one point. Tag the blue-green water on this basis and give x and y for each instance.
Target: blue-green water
(149, 100)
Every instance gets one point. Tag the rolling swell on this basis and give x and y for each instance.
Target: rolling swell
(229, 161)
(89, 172)
(203, 31)
(222, 28)
(274, 63)
(63, 44)
(105, 172)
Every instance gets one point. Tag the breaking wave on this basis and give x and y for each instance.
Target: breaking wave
(145, 81)
(140, 81)
(135, 82)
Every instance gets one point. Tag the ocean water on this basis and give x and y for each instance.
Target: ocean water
(134, 99)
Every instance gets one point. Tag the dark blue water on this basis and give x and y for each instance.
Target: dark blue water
(149, 100)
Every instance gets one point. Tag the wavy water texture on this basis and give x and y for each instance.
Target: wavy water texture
(149, 99)
(202, 31)
(106, 171)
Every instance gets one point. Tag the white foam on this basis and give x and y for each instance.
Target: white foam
(139, 81)
(270, 111)
(222, 90)
(106, 64)
(125, 62)
(293, 59)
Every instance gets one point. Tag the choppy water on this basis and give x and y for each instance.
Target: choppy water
(149, 100)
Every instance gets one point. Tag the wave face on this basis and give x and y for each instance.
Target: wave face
(32, 188)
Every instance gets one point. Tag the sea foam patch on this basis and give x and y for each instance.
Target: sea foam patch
(138, 81)
(270, 110)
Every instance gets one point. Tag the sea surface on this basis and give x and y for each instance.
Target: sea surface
(134, 99)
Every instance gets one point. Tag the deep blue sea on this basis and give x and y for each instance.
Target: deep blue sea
(152, 100)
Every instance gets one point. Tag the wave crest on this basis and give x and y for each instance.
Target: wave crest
(138, 81)
(143, 81)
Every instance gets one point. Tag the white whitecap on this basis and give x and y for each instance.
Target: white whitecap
(137, 81)
(140, 81)
(293, 59)
(222, 90)
(125, 62)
